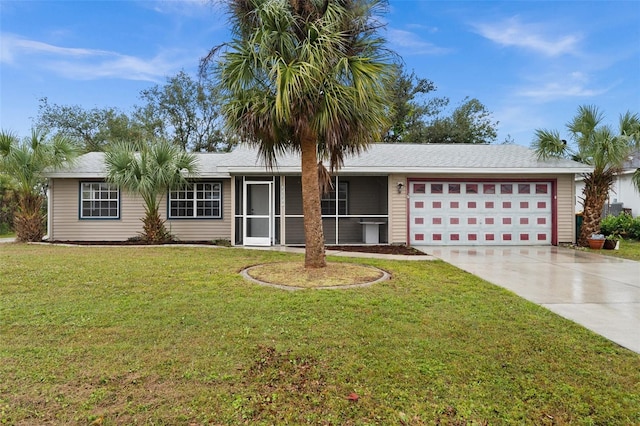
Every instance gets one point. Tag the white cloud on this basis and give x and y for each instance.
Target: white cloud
(574, 85)
(411, 43)
(513, 33)
(189, 8)
(83, 63)
(553, 90)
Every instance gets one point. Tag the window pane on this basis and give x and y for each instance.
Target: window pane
(489, 188)
(524, 188)
(541, 188)
(506, 188)
(454, 188)
(419, 188)
(436, 188)
(472, 188)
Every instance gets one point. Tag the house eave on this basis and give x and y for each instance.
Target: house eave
(372, 171)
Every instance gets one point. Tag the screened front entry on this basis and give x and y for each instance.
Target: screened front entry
(268, 211)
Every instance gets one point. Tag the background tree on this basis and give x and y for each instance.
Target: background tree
(308, 77)
(470, 122)
(25, 162)
(8, 203)
(183, 110)
(417, 119)
(150, 171)
(187, 112)
(598, 146)
(95, 128)
(411, 109)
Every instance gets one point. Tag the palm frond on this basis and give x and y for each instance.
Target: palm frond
(548, 144)
(636, 179)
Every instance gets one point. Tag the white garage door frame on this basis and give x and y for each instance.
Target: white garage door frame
(476, 211)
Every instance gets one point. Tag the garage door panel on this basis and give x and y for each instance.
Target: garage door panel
(480, 213)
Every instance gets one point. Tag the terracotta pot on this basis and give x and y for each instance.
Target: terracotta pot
(595, 244)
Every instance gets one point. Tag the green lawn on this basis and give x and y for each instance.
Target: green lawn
(174, 335)
(629, 249)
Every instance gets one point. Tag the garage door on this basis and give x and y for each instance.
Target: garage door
(480, 213)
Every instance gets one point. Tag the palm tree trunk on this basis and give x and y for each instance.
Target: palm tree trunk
(313, 234)
(29, 222)
(596, 190)
(153, 229)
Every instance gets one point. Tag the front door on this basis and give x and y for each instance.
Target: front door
(258, 213)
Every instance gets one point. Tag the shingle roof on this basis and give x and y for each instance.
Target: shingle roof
(378, 159)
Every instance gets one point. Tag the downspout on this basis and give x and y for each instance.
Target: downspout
(49, 210)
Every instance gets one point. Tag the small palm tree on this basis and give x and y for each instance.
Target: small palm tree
(598, 146)
(309, 77)
(25, 163)
(150, 171)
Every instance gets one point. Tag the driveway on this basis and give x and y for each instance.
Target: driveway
(597, 291)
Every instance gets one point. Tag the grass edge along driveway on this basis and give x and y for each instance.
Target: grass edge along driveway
(174, 335)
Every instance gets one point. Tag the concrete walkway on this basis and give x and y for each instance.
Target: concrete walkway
(7, 240)
(600, 292)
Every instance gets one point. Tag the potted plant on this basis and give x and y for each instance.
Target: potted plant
(612, 242)
(596, 241)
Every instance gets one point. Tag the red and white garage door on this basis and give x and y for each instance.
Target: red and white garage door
(480, 213)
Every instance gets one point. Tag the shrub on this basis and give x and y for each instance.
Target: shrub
(634, 230)
(623, 225)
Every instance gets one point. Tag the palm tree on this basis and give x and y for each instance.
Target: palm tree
(25, 163)
(598, 146)
(308, 77)
(150, 171)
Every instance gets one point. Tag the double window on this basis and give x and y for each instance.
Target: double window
(99, 200)
(339, 199)
(197, 200)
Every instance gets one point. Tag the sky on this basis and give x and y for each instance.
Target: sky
(531, 63)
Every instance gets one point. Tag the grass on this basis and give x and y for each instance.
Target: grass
(174, 335)
(629, 249)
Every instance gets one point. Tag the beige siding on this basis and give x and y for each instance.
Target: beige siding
(397, 210)
(66, 224)
(565, 219)
(566, 205)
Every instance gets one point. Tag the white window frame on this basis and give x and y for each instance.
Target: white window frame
(97, 190)
(194, 193)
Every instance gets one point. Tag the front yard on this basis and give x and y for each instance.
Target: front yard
(629, 249)
(174, 335)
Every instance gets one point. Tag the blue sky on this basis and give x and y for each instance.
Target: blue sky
(531, 63)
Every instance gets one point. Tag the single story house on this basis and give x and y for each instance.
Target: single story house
(623, 195)
(414, 194)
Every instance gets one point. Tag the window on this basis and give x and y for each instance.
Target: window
(524, 188)
(99, 200)
(472, 188)
(436, 188)
(489, 188)
(419, 188)
(199, 200)
(329, 200)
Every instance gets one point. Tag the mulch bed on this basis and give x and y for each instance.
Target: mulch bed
(380, 249)
(377, 249)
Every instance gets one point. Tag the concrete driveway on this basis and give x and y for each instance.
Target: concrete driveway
(597, 291)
